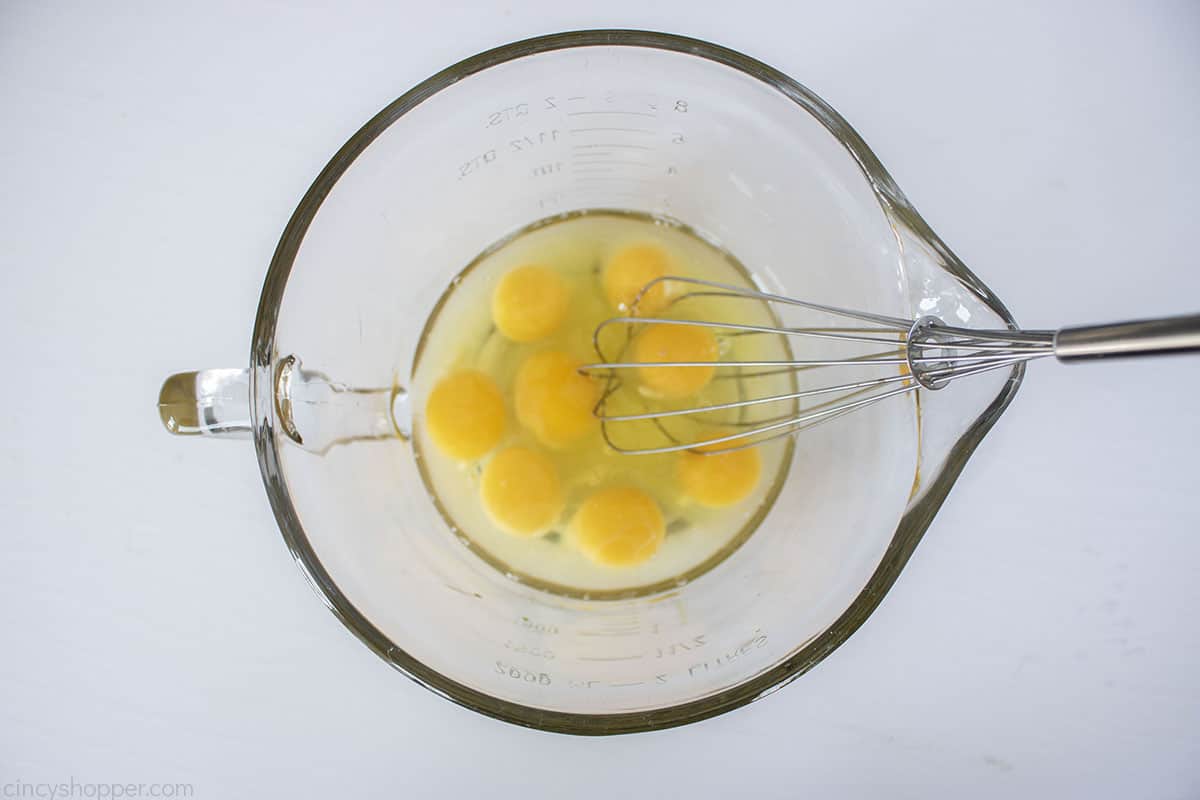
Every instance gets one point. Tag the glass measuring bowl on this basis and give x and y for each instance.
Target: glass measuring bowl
(631, 120)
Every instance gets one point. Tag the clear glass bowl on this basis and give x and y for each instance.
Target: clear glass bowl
(590, 120)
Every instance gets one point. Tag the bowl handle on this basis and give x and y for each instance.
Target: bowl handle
(312, 410)
(210, 402)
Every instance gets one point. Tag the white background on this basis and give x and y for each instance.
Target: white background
(1043, 642)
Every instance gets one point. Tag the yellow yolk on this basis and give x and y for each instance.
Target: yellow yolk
(619, 527)
(628, 272)
(529, 303)
(465, 415)
(554, 400)
(675, 343)
(521, 491)
(716, 479)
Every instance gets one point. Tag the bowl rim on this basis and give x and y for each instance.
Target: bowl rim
(913, 523)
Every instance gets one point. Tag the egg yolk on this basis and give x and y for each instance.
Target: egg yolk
(718, 479)
(465, 415)
(619, 527)
(521, 491)
(529, 303)
(628, 272)
(665, 342)
(554, 400)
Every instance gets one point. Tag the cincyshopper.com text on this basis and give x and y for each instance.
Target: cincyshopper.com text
(64, 790)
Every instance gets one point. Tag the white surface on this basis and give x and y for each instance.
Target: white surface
(1040, 643)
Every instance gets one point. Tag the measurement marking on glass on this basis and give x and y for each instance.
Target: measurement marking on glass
(633, 657)
(578, 97)
(605, 193)
(628, 113)
(615, 161)
(622, 146)
(622, 178)
(623, 685)
(579, 171)
(629, 178)
(611, 191)
(619, 130)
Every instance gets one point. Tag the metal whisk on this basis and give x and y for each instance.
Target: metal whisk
(901, 356)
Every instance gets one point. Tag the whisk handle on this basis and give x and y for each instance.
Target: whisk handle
(1137, 338)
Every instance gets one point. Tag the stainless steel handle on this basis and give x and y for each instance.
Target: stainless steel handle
(1137, 338)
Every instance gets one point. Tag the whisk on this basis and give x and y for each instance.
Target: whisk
(899, 356)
